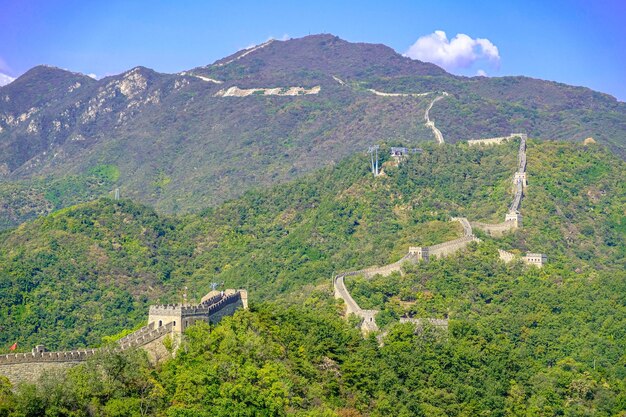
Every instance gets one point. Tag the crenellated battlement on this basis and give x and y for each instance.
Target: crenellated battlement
(165, 309)
(182, 316)
(163, 319)
(65, 356)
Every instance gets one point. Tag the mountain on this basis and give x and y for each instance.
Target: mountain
(262, 116)
(520, 340)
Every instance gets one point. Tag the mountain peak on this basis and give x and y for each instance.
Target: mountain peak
(317, 57)
(50, 71)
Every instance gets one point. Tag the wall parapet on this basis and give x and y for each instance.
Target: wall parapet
(438, 323)
(434, 250)
(467, 227)
(64, 356)
(145, 338)
(165, 309)
(139, 338)
(495, 229)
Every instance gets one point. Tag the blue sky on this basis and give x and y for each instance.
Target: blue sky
(576, 42)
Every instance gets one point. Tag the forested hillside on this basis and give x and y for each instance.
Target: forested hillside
(90, 270)
(306, 361)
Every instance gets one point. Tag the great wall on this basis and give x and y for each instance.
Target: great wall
(431, 124)
(415, 254)
(164, 321)
(276, 91)
(513, 220)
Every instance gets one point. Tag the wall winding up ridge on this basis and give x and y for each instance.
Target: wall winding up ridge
(431, 124)
(512, 220)
(368, 322)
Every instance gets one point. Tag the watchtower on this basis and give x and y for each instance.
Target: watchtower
(514, 216)
(520, 176)
(161, 315)
(214, 306)
(420, 252)
(399, 153)
(537, 259)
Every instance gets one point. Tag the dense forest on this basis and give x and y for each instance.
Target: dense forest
(306, 361)
(521, 340)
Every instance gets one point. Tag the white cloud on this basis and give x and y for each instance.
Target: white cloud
(481, 73)
(3, 65)
(5, 79)
(459, 52)
(92, 75)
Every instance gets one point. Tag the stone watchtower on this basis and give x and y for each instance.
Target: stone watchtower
(161, 315)
(420, 252)
(537, 259)
(211, 309)
(520, 176)
(514, 216)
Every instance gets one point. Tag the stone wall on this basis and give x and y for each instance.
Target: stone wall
(275, 91)
(467, 227)
(368, 317)
(341, 292)
(183, 316)
(506, 256)
(489, 141)
(420, 322)
(225, 308)
(517, 198)
(513, 219)
(30, 372)
(66, 356)
(497, 140)
(497, 229)
(160, 315)
(537, 259)
(450, 247)
(420, 253)
(156, 350)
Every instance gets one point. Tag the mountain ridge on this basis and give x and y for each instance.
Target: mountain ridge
(180, 143)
